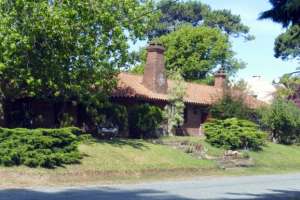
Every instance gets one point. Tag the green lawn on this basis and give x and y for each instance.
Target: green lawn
(137, 155)
(116, 160)
(134, 160)
(274, 158)
(277, 158)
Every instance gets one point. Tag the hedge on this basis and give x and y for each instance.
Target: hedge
(47, 148)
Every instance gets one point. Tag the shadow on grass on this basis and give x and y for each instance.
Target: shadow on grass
(137, 144)
(272, 195)
(87, 194)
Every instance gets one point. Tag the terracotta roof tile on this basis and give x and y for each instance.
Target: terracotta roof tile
(130, 85)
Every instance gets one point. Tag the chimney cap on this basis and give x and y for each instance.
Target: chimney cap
(155, 47)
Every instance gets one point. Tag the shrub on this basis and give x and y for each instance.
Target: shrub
(116, 115)
(282, 118)
(144, 120)
(232, 107)
(39, 147)
(234, 133)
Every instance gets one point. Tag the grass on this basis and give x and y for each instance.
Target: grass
(134, 160)
(277, 158)
(274, 158)
(137, 155)
(117, 160)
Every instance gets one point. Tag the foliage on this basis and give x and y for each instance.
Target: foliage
(196, 51)
(286, 12)
(242, 86)
(174, 14)
(116, 116)
(106, 115)
(232, 106)
(287, 86)
(234, 133)
(282, 119)
(137, 69)
(66, 120)
(67, 50)
(174, 111)
(144, 119)
(287, 45)
(39, 147)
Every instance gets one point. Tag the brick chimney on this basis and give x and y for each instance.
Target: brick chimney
(220, 79)
(154, 74)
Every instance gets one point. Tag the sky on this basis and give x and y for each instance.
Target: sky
(258, 54)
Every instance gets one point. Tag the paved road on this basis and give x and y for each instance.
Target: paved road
(256, 187)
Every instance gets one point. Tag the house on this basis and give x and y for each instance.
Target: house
(152, 87)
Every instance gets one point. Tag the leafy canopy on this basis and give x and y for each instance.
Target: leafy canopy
(196, 51)
(287, 13)
(174, 14)
(67, 49)
(287, 44)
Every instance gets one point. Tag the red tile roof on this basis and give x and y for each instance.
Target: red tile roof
(130, 86)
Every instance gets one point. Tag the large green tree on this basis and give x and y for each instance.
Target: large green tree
(196, 52)
(176, 13)
(67, 49)
(287, 13)
(197, 39)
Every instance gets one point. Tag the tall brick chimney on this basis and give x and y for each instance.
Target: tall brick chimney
(154, 74)
(220, 79)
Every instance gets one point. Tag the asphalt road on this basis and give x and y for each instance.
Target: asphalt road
(255, 187)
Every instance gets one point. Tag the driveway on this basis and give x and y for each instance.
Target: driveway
(252, 187)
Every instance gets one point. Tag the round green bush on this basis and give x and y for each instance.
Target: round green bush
(234, 134)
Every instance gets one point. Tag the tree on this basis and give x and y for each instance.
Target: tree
(65, 48)
(174, 111)
(287, 13)
(68, 50)
(196, 51)
(174, 14)
(287, 45)
(287, 86)
(282, 119)
(233, 106)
